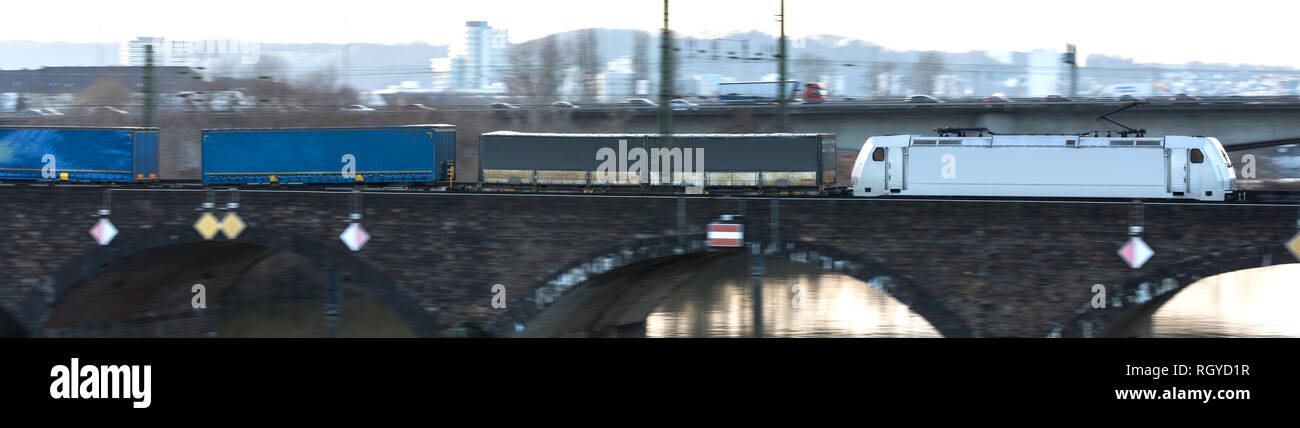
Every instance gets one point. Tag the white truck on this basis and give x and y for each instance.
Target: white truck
(1136, 90)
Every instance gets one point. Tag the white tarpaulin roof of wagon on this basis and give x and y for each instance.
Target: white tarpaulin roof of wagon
(557, 134)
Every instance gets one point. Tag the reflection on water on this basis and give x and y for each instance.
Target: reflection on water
(798, 300)
(1249, 303)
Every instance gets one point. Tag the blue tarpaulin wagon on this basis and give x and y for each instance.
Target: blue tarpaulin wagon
(362, 154)
(85, 154)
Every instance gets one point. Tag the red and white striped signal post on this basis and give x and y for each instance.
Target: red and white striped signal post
(726, 234)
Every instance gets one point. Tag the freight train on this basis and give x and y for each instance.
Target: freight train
(1034, 166)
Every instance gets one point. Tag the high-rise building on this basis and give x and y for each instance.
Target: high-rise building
(618, 81)
(1044, 71)
(441, 68)
(482, 63)
(165, 52)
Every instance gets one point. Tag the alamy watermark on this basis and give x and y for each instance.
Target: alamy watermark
(248, 52)
(1098, 296)
(349, 169)
(1248, 166)
(75, 381)
(200, 298)
(498, 296)
(949, 169)
(49, 167)
(659, 166)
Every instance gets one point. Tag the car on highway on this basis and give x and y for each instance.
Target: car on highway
(51, 112)
(1184, 97)
(504, 106)
(995, 98)
(564, 104)
(641, 102)
(920, 99)
(357, 108)
(1127, 97)
(681, 104)
(417, 107)
(1056, 99)
(31, 112)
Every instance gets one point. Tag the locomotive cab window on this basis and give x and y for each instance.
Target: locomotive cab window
(1197, 156)
(878, 154)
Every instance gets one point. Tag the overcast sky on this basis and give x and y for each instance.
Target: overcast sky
(1239, 31)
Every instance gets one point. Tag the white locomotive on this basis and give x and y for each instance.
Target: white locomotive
(1066, 166)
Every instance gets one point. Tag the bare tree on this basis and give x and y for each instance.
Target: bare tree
(321, 90)
(270, 86)
(589, 63)
(640, 59)
(878, 79)
(927, 67)
(106, 92)
(519, 81)
(536, 70)
(550, 76)
(811, 68)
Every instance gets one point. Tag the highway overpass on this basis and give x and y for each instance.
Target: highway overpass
(1233, 123)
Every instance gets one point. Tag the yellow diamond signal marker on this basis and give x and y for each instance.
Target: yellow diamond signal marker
(207, 226)
(1294, 246)
(232, 225)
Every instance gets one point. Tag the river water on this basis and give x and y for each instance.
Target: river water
(1249, 303)
(800, 300)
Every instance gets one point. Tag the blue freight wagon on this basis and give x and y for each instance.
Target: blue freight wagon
(118, 154)
(362, 154)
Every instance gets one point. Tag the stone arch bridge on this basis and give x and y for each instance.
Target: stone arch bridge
(971, 268)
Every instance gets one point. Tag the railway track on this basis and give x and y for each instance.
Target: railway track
(1258, 197)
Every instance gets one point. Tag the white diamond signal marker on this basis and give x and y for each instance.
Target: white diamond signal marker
(1135, 252)
(355, 237)
(103, 232)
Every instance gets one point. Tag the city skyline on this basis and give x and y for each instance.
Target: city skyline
(1137, 31)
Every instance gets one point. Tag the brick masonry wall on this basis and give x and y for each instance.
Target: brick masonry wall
(1006, 268)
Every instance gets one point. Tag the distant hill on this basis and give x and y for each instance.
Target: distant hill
(844, 64)
(751, 56)
(15, 55)
(374, 66)
(371, 66)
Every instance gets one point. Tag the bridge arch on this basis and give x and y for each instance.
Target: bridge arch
(44, 299)
(10, 326)
(1142, 296)
(523, 310)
